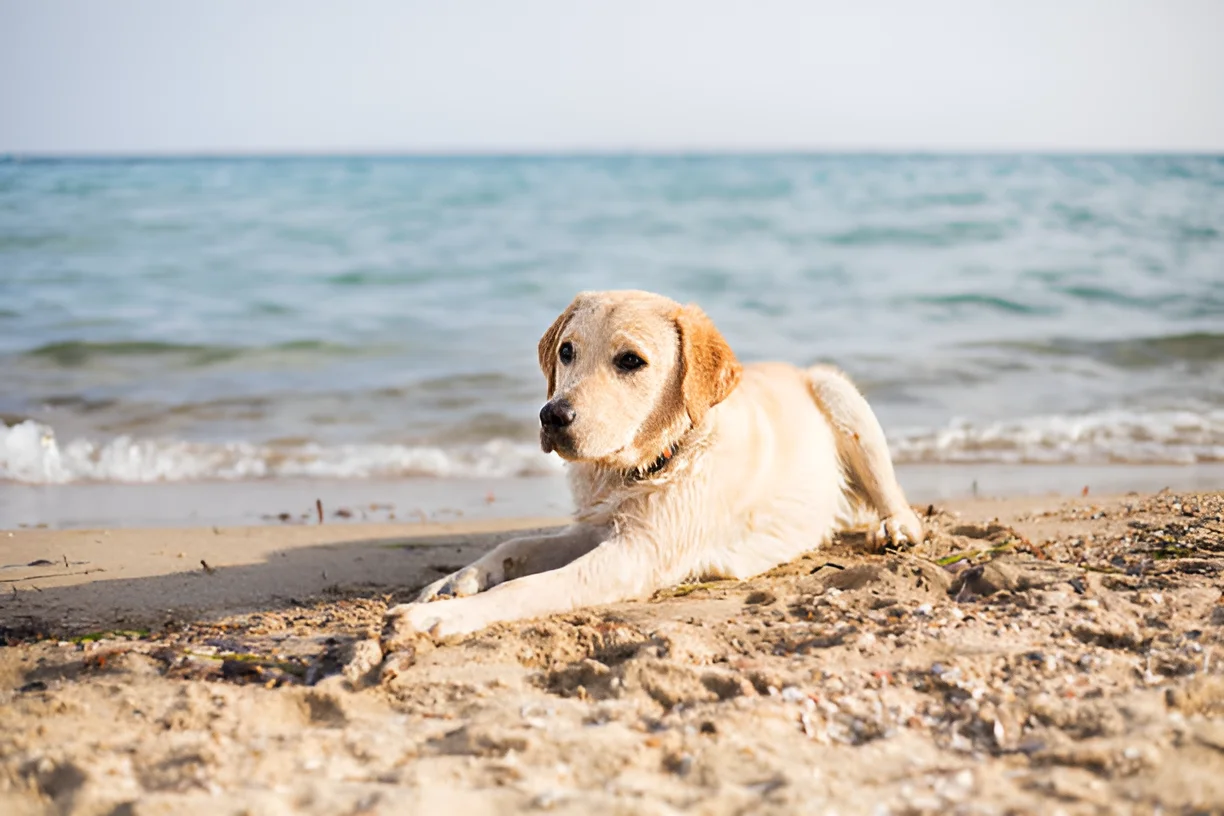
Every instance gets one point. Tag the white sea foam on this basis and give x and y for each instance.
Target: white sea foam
(31, 453)
(1132, 437)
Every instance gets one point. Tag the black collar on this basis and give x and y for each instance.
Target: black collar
(657, 465)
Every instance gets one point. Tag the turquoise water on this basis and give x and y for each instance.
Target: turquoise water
(377, 317)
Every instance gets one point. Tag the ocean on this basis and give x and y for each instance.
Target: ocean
(374, 319)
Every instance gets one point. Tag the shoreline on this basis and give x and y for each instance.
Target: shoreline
(293, 501)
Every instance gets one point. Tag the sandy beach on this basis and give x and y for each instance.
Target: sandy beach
(307, 307)
(1035, 655)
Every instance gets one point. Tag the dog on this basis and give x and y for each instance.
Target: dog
(683, 463)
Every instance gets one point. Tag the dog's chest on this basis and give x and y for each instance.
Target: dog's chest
(758, 541)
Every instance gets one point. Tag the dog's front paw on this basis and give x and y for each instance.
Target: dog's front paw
(467, 581)
(900, 530)
(407, 624)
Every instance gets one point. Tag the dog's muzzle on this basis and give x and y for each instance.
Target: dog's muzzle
(555, 417)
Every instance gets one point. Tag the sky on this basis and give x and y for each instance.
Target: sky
(461, 76)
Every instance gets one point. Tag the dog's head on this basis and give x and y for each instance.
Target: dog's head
(628, 374)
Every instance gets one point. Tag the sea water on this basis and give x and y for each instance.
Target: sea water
(376, 317)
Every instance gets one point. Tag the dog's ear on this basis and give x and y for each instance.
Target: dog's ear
(710, 371)
(549, 343)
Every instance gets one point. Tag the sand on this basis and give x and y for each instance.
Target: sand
(1034, 656)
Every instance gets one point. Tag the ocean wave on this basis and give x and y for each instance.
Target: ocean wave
(973, 300)
(1107, 437)
(1130, 353)
(78, 353)
(954, 233)
(30, 453)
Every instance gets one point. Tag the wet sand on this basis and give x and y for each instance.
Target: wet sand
(292, 501)
(1035, 655)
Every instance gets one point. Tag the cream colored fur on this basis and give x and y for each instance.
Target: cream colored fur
(770, 461)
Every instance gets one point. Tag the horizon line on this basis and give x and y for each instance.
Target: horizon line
(568, 153)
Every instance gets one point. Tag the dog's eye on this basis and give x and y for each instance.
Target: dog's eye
(629, 361)
(566, 353)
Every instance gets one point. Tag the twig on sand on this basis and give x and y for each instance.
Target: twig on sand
(51, 575)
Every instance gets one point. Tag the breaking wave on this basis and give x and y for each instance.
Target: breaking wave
(1106, 437)
(31, 453)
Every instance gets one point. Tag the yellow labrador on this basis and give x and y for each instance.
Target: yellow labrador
(684, 464)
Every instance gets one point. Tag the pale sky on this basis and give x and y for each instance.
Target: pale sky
(163, 76)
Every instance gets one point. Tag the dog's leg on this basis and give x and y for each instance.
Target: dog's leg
(515, 558)
(864, 453)
(620, 569)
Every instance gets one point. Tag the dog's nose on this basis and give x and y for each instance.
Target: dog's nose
(556, 414)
